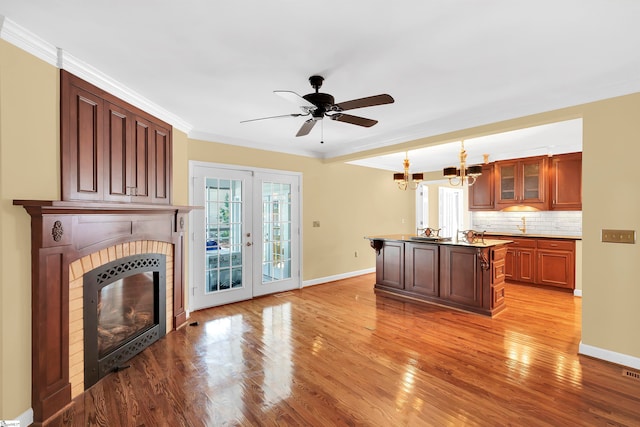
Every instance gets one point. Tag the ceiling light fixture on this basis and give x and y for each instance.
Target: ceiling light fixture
(458, 176)
(406, 180)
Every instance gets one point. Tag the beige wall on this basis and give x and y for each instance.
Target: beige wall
(29, 169)
(349, 201)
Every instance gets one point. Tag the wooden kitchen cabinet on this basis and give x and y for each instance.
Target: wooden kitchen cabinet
(111, 151)
(542, 261)
(521, 182)
(390, 265)
(566, 181)
(421, 269)
(482, 192)
(520, 260)
(555, 263)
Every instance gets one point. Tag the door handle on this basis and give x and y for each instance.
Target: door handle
(249, 243)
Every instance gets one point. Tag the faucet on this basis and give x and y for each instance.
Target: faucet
(524, 226)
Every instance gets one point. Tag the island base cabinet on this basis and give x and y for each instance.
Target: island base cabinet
(390, 265)
(469, 278)
(461, 276)
(421, 269)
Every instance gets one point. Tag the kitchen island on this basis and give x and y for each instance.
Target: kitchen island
(463, 275)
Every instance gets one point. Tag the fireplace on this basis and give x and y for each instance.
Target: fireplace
(124, 312)
(71, 239)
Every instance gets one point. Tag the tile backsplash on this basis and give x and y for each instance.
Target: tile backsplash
(557, 223)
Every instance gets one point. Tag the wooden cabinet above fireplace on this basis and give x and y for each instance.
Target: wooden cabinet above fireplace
(110, 150)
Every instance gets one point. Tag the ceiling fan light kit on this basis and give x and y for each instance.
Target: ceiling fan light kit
(320, 105)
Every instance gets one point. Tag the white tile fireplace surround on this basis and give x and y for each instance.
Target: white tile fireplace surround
(553, 223)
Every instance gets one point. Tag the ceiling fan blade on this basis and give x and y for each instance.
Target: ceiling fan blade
(369, 101)
(274, 117)
(296, 99)
(306, 127)
(354, 120)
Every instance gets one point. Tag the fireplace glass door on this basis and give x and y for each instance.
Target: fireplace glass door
(125, 309)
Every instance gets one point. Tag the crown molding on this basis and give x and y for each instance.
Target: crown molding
(29, 42)
(68, 62)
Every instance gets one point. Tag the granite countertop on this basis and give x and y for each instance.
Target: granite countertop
(408, 238)
(531, 235)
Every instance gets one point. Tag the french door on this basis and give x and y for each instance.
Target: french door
(245, 239)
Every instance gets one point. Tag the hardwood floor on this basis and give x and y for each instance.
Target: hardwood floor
(335, 354)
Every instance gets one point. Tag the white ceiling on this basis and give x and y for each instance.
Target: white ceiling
(449, 64)
(549, 139)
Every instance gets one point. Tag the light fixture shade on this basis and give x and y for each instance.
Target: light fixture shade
(450, 172)
(417, 176)
(474, 170)
(398, 177)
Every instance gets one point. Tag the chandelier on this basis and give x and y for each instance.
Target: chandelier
(458, 176)
(406, 180)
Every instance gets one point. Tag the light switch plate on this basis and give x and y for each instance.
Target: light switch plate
(619, 236)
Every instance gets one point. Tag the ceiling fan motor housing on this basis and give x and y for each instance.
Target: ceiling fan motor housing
(323, 101)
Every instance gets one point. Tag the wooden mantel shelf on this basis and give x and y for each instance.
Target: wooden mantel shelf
(85, 207)
(62, 232)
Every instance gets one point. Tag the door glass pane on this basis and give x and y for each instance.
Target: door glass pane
(508, 183)
(531, 181)
(223, 215)
(276, 231)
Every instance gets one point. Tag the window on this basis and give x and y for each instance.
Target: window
(450, 211)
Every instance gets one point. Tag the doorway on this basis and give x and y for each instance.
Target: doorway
(245, 240)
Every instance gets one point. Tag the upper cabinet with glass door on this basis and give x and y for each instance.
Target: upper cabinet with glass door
(521, 182)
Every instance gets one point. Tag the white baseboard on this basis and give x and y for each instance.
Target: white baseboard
(577, 292)
(609, 356)
(26, 418)
(337, 277)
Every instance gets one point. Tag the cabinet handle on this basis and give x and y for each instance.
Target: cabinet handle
(553, 245)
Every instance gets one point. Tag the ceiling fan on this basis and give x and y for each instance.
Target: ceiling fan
(319, 105)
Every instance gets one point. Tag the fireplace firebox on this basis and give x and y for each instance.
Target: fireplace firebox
(124, 312)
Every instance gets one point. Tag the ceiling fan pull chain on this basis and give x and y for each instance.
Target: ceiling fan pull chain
(321, 132)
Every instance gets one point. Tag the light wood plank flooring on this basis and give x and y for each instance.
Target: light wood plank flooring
(335, 354)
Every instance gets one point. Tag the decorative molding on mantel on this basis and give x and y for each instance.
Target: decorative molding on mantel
(609, 356)
(29, 42)
(61, 233)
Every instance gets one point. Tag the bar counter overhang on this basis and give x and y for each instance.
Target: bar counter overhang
(456, 274)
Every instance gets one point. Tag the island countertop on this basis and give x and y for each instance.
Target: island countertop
(413, 238)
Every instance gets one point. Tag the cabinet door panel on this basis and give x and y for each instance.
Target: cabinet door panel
(389, 265)
(162, 166)
(555, 268)
(141, 158)
(566, 182)
(510, 265)
(525, 266)
(482, 192)
(534, 182)
(506, 181)
(117, 136)
(461, 281)
(82, 161)
(422, 269)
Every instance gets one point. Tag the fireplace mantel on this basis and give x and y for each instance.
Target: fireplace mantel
(65, 231)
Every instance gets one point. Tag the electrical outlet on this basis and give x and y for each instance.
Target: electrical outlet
(619, 236)
(355, 254)
(316, 223)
